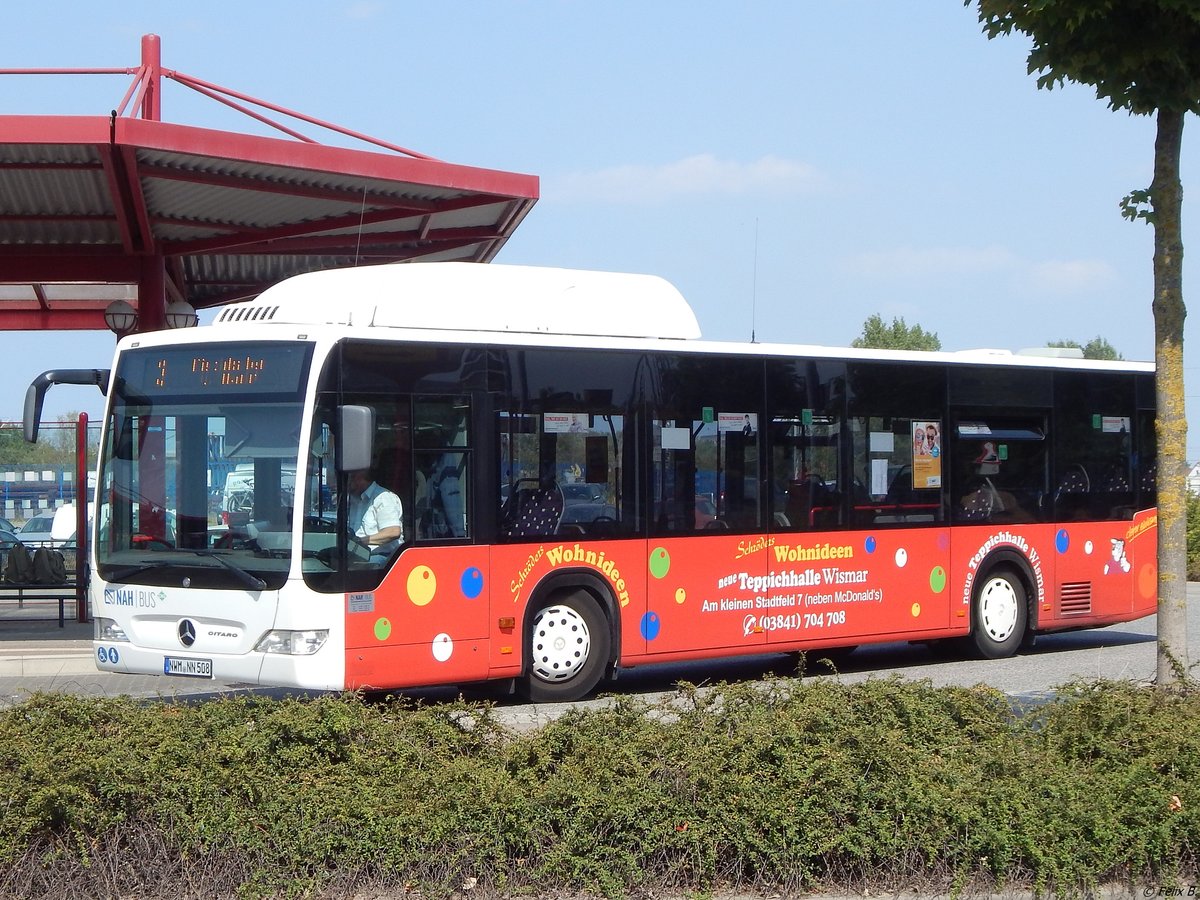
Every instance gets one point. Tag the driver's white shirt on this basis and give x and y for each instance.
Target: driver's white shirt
(375, 509)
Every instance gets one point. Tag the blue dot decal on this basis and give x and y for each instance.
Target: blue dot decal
(1062, 541)
(650, 626)
(471, 583)
(870, 545)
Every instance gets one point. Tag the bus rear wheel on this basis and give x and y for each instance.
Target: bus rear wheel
(569, 646)
(999, 613)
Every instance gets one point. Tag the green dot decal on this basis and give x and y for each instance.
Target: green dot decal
(660, 562)
(937, 579)
(383, 629)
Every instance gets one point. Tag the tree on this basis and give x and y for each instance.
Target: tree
(1096, 348)
(897, 336)
(1140, 56)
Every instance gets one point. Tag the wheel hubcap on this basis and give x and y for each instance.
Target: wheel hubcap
(998, 609)
(561, 643)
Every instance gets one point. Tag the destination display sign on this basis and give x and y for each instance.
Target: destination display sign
(211, 369)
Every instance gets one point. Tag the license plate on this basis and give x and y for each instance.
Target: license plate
(187, 667)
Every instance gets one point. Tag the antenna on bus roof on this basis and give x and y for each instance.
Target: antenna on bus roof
(754, 286)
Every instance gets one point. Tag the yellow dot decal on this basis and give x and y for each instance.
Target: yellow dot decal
(422, 585)
(916, 610)
(680, 595)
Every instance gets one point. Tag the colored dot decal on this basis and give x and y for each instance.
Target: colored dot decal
(472, 583)
(943, 542)
(1148, 581)
(422, 585)
(870, 545)
(1062, 541)
(916, 610)
(443, 647)
(680, 595)
(383, 629)
(660, 562)
(902, 557)
(650, 626)
(1087, 548)
(937, 579)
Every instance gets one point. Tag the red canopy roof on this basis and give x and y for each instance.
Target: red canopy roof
(94, 209)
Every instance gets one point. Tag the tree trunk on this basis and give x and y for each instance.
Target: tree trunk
(1166, 195)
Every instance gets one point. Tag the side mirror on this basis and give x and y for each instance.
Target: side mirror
(356, 437)
(35, 394)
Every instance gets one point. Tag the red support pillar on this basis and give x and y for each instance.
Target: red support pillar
(152, 60)
(152, 279)
(152, 294)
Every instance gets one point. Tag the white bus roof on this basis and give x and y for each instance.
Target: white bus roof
(476, 297)
(539, 306)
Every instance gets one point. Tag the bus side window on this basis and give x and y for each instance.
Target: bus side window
(441, 466)
(898, 470)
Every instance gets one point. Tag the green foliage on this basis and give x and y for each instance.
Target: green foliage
(1139, 55)
(1096, 348)
(55, 446)
(897, 336)
(781, 786)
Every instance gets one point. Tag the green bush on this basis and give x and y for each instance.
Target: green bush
(776, 786)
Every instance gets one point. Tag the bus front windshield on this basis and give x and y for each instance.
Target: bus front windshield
(199, 465)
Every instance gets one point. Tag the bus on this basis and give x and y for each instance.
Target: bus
(587, 486)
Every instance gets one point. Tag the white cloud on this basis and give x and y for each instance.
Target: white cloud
(364, 9)
(700, 175)
(1070, 276)
(927, 262)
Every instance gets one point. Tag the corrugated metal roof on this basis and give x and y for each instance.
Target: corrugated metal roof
(85, 202)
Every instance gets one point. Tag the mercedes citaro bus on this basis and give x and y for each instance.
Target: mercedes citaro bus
(587, 486)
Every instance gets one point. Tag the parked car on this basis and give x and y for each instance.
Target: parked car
(36, 532)
(6, 525)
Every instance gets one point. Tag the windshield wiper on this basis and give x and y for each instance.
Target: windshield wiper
(251, 581)
(130, 571)
(248, 580)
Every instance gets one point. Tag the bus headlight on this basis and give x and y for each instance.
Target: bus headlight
(108, 630)
(292, 643)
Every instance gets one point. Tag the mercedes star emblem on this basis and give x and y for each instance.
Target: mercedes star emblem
(187, 632)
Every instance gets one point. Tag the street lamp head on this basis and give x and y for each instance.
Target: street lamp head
(180, 314)
(120, 317)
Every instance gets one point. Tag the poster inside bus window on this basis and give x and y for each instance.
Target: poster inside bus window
(927, 454)
(746, 423)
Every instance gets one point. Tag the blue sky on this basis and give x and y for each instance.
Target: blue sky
(792, 167)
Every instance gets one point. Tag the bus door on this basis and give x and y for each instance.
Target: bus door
(707, 561)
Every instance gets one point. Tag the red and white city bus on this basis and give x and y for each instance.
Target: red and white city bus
(587, 486)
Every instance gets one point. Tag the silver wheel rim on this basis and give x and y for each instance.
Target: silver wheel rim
(998, 609)
(561, 644)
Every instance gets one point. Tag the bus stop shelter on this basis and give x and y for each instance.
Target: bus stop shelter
(150, 221)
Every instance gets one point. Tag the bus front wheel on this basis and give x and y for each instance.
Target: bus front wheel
(569, 646)
(999, 614)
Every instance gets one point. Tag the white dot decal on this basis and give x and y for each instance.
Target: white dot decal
(1087, 548)
(901, 557)
(443, 647)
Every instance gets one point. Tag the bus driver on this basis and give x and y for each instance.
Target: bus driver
(375, 516)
